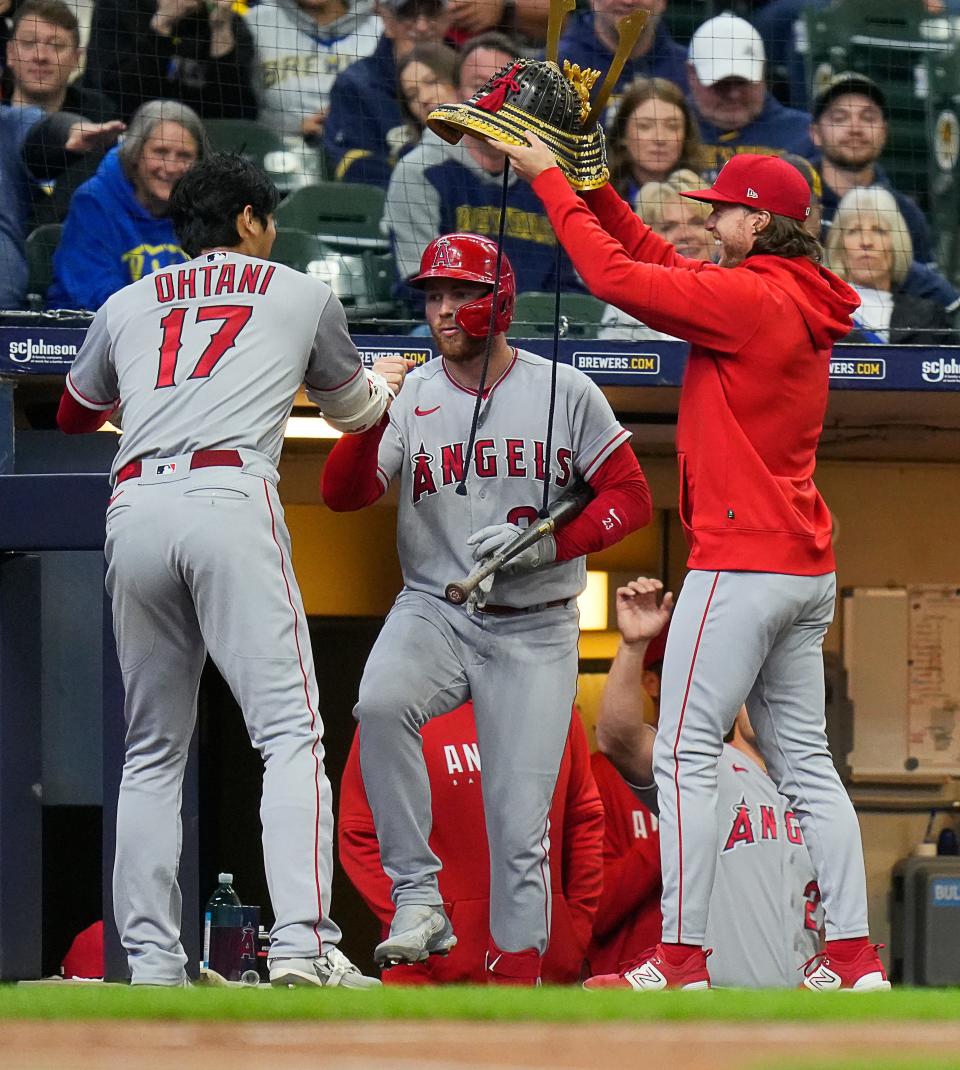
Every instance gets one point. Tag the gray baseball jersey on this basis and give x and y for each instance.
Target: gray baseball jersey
(201, 357)
(210, 355)
(424, 445)
(764, 917)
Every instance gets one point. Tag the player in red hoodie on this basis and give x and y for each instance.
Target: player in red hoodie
(751, 618)
(459, 839)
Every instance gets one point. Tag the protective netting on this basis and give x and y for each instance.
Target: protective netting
(331, 96)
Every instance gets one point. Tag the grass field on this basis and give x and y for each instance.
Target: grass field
(111, 1027)
(570, 1005)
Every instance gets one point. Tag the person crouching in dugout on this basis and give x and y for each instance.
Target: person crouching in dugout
(759, 597)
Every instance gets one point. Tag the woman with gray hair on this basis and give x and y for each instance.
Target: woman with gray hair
(117, 229)
(679, 220)
(870, 247)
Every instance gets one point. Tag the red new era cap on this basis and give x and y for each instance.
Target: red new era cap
(764, 183)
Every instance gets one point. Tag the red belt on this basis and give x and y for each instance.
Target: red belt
(200, 459)
(513, 611)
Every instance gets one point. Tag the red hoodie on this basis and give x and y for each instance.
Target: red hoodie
(459, 838)
(755, 388)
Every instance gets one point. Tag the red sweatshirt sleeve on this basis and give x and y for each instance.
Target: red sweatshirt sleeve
(349, 480)
(76, 419)
(357, 839)
(695, 300)
(583, 836)
(621, 505)
(620, 221)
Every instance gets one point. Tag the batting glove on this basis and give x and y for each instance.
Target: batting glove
(494, 539)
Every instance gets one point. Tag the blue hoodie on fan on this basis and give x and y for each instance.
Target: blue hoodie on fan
(109, 240)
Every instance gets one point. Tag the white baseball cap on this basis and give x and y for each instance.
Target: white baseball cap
(727, 47)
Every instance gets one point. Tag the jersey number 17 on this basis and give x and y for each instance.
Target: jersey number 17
(234, 318)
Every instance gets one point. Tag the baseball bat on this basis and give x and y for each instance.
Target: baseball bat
(564, 508)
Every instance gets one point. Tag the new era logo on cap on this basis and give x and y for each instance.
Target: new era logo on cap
(752, 194)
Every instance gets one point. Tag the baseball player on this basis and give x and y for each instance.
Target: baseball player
(764, 917)
(201, 363)
(759, 598)
(515, 655)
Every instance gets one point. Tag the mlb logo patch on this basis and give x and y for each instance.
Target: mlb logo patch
(166, 469)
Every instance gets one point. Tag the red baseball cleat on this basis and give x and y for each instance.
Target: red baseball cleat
(652, 972)
(862, 972)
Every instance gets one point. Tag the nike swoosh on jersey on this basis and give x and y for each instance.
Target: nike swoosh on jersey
(424, 412)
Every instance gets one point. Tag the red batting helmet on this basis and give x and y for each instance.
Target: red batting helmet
(471, 258)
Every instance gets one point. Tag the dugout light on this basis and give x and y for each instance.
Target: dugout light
(593, 603)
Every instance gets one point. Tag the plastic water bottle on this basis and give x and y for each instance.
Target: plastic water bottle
(223, 930)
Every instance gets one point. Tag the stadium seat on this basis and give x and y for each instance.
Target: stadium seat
(289, 168)
(943, 128)
(343, 215)
(579, 315)
(363, 280)
(41, 245)
(883, 39)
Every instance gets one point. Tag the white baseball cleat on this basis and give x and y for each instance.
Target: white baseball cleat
(331, 970)
(416, 933)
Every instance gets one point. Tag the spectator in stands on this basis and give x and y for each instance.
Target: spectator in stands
(518, 18)
(301, 47)
(730, 97)
(364, 131)
(35, 147)
(439, 188)
(425, 78)
(652, 135)
(43, 55)
(680, 221)
(117, 229)
(869, 246)
(850, 130)
(590, 39)
(196, 51)
(459, 838)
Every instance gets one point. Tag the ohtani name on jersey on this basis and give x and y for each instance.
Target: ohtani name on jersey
(744, 829)
(211, 280)
(514, 458)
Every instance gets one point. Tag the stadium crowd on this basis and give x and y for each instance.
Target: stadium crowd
(105, 104)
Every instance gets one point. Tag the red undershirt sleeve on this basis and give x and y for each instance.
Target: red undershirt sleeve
(349, 480)
(76, 419)
(622, 504)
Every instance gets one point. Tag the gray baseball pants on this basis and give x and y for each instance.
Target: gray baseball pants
(754, 638)
(521, 672)
(202, 563)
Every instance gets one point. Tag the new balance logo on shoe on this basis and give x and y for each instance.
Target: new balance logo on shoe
(646, 976)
